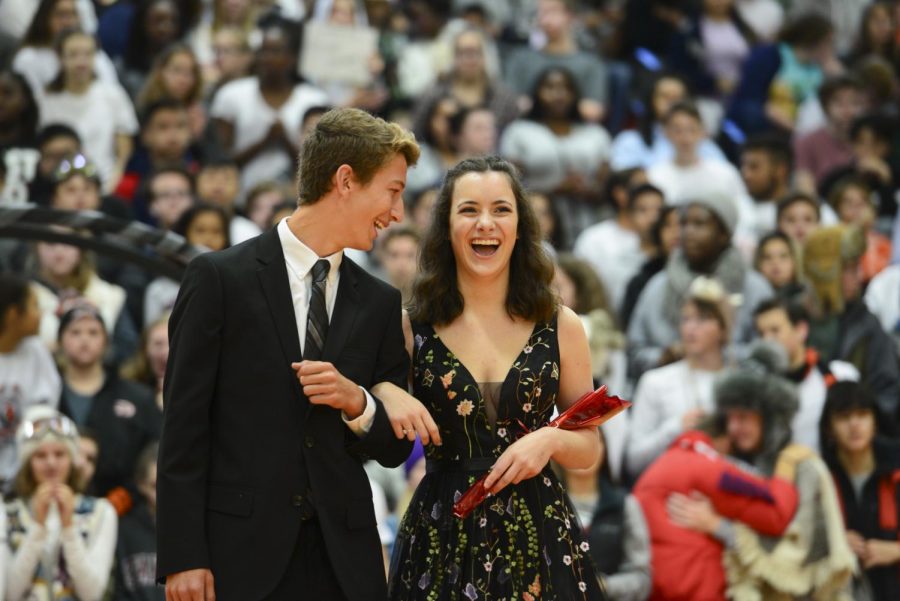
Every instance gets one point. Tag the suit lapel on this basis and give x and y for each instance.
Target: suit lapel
(346, 307)
(273, 278)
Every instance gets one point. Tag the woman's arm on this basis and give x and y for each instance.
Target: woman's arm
(89, 566)
(574, 449)
(20, 569)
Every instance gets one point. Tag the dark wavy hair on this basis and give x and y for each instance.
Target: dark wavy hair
(436, 296)
(538, 111)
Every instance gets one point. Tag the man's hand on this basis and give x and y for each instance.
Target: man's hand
(408, 416)
(694, 512)
(857, 543)
(190, 585)
(323, 384)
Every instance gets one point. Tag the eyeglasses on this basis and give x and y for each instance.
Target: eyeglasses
(59, 425)
(78, 164)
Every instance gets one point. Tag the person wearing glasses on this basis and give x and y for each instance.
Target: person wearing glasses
(61, 542)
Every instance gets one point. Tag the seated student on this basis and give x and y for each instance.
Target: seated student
(829, 147)
(776, 260)
(135, 571)
(705, 248)
(865, 464)
(148, 365)
(28, 375)
(55, 142)
(617, 247)
(398, 250)
(798, 215)
(688, 175)
(261, 202)
(219, 184)
(872, 138)
(786, 323)
(61, 273)
(165, 138)
(62, 542)
(167, 193)
(674, 398)
(841, 326)
(202, 225)
(766, 163)
(851, 198)
(664, 236)
(122, 414)
(614, 527)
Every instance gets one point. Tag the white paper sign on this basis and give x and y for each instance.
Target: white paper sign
(337, 53)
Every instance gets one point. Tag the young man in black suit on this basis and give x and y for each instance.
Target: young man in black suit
(261, 489)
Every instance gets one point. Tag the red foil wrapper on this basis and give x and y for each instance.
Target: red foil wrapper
(591, 410)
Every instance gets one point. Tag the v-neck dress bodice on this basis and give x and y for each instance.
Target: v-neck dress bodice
(525, 543)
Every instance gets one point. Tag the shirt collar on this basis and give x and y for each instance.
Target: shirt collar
(300, 258)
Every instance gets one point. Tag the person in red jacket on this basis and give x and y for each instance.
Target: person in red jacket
(687, 565)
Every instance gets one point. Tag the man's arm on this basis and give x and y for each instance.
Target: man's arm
(391, 366)
(195, 331)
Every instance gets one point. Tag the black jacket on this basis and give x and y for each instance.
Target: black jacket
(862, 515)
(125, 419)
(135, 572)
(243, 453)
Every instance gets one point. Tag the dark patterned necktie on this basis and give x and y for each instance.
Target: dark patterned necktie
(317, 317)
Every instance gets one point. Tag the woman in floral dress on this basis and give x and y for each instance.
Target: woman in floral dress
(493, 355)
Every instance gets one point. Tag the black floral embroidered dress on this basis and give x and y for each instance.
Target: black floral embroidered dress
(525, 543)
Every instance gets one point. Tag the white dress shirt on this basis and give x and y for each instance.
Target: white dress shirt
(300, 259)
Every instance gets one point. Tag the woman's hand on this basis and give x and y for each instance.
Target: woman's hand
(65, 500)
(524, 459)
(881, 553)
(41, 502)
(408, 416)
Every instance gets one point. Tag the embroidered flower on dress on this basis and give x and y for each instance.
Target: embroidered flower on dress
(470, 592)
(567, 559)
(464, 408)
(585, 546)
(527, 350)
(427, 377)
(451, 394)
(501, 432)
(546, 481)
(447, 378)
(526, 407)
(582, 586)
(488, 565)
(527, 596)
(424, 580)
(482, 522)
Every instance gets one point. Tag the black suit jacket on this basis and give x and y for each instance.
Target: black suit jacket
(237, 423)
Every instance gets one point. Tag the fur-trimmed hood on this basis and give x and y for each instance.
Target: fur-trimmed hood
(756, 384)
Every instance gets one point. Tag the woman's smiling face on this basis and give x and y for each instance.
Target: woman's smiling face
(483, 223)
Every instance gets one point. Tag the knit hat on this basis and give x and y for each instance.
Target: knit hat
(825, 253)
(79, 310)
(40, 424)
(721, 205)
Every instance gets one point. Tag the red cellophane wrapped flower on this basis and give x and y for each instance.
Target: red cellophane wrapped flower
(591, 410)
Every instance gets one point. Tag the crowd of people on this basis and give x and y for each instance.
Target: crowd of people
(716, 183)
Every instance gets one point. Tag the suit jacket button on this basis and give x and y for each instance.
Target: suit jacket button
(310, 442)
(297, 500)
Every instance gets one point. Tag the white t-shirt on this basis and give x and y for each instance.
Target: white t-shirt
(103, 111)
(614, 253)
(28, 377)
(241, 103)
(40, 66)
(547, 158)
(662, 397)
(16, 16)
